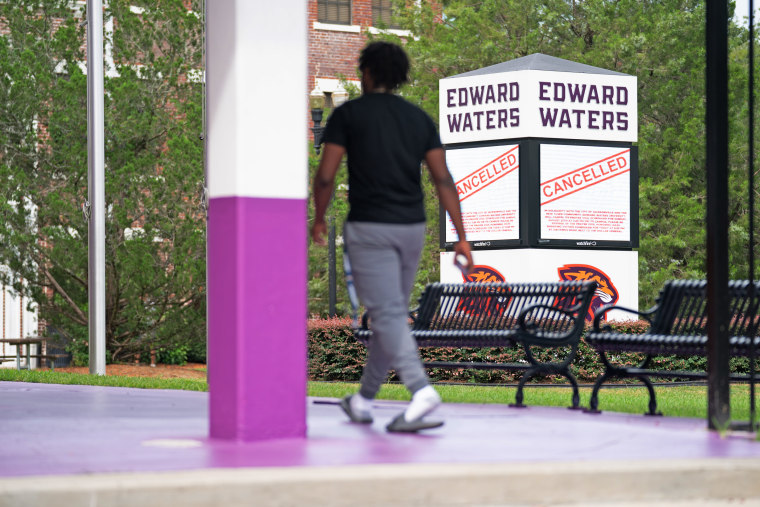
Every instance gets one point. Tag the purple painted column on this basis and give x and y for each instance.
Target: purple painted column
(257, 177)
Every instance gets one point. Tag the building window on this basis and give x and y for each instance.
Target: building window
(334, 11)
(381, 14)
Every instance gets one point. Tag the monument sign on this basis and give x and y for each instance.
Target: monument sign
(542, 152)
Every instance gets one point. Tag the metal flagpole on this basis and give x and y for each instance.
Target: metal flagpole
(96, 188)
(751, 185)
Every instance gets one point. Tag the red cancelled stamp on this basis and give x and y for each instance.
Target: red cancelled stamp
(489, 173)
(585, 177)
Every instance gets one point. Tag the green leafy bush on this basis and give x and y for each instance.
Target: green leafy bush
(80, 352)
(334, 354)
(174, 355)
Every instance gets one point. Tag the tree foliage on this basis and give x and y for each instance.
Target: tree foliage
(661, 42)
(155, 230)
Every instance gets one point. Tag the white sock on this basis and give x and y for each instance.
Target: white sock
(360, 405)
(423, 402)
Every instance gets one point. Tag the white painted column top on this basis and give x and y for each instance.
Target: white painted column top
(257, 143)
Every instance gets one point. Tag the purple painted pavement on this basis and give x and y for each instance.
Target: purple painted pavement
(55, 429)
(256, 326)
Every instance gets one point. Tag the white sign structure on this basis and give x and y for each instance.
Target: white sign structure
(585, 192)
(565, 207)
(522, 99)
(616, 272)
(487, 180)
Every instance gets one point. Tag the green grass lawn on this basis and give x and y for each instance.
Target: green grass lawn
(673, 401)
(55, 377)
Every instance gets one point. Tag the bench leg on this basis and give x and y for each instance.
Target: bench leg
(610, 371)
(593, 405)
(621, 373)
(652, 397)
(542, 369)
(519, 394)
(576, 394)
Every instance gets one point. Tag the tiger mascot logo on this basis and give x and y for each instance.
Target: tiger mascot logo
(606, 293)
(477, 306)
(483, 274)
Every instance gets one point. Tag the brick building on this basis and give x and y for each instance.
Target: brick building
(337, 31)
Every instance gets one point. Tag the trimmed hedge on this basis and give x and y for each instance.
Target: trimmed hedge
(334, 354)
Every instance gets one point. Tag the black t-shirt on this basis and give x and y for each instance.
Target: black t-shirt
(386, 139)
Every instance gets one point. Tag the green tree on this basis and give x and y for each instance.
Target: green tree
(739, 153)
(661, 42)
(155, 229)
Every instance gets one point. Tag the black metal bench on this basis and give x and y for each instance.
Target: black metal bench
(678, 326)
(502, 315)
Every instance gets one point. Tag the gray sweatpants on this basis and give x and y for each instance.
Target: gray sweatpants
(384, 259)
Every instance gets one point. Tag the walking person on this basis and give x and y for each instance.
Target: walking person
(386, 139)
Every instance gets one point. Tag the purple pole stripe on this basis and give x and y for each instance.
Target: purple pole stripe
(257, 366)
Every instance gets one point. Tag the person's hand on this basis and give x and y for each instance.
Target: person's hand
(462, 249)
(318, 232)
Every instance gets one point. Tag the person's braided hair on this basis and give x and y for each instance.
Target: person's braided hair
(387, 64)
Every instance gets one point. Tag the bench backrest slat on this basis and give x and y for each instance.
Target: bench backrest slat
(668, 302)
(682, 308)
(745, 316)
(692, 315)
(489, 306)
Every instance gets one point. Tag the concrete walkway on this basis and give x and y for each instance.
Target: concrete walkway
(85, 445)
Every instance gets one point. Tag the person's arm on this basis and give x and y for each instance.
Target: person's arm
(324, 181)
(447, 194)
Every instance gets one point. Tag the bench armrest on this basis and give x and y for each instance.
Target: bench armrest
(530, 326)
(364, 322)
(646, 315)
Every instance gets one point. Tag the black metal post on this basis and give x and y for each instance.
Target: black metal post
(716, 122)
(332, 275)
(318, 130)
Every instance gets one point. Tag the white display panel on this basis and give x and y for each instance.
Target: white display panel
(537, 103)
(616, 272)
(488, 185)
(585, 193)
